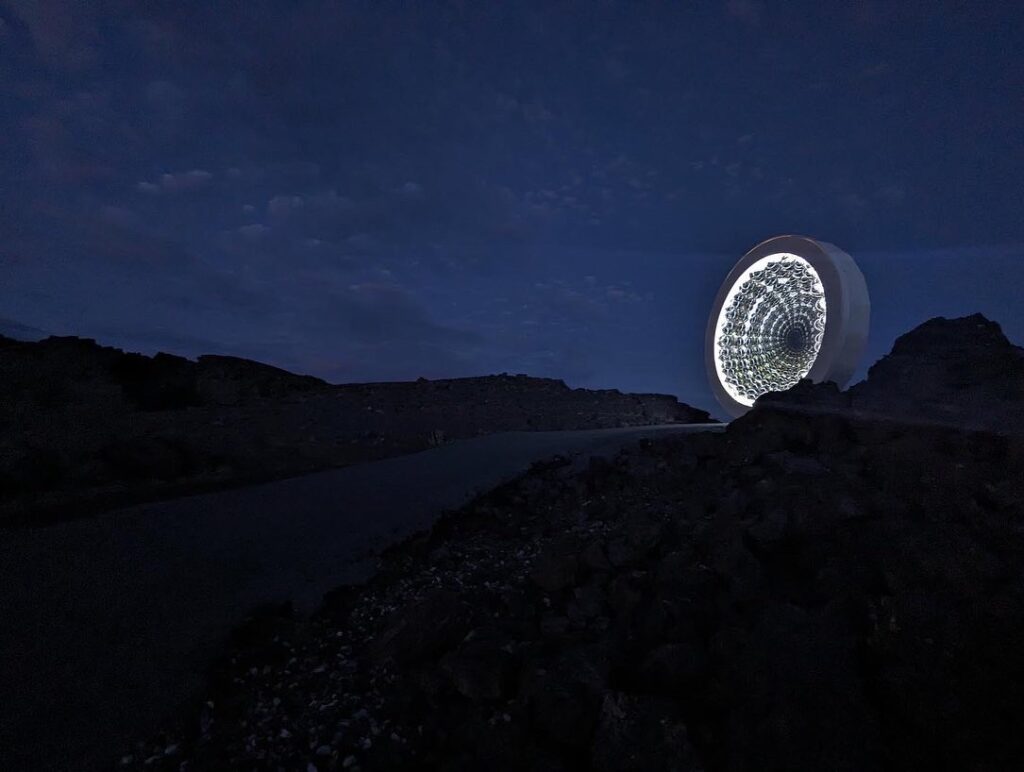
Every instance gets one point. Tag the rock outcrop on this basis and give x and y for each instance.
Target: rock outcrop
(952, 369)
(960, 372)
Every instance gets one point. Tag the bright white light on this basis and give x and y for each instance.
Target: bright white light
(770, 327)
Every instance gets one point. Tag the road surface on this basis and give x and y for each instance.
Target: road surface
(107, 624)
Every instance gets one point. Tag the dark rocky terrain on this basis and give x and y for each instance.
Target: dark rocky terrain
(961, 372)
(816, 588)
(84, 427)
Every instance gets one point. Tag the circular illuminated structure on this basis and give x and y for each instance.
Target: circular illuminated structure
(791, 308)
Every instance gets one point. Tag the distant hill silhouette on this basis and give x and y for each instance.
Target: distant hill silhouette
(85, 426)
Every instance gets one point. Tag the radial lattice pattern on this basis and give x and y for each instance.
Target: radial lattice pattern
(770, 327)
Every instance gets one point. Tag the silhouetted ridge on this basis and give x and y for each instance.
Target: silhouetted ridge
(87, 426)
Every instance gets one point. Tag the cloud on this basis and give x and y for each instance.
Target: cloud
(182, 181)
(587, 301)
(178, 182)
(254, 231)
(410, 189)
(331, 202)
(746, 11)
(622, 294)
(282, 206)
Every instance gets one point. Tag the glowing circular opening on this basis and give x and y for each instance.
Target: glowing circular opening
(770, 327)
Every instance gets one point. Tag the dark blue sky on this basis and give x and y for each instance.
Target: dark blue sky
(376, 190)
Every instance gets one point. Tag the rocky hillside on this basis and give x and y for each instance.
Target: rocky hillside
(961, 372)
(806, 591)
(84, 426)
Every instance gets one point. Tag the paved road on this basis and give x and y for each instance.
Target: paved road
(107, 624)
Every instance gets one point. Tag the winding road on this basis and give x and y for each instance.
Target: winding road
(108, 623)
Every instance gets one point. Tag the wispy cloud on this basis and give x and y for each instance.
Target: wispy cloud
(176, 182)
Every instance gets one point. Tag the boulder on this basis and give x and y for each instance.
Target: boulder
(555, 568)
(641, 733)
(792, 464)
(672, 668)
(422, 629)
(564, 692)
(480, 669)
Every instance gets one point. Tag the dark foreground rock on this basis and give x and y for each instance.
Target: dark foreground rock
(84, 426)
(802, 592)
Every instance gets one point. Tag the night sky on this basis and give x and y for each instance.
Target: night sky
(377, 190)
